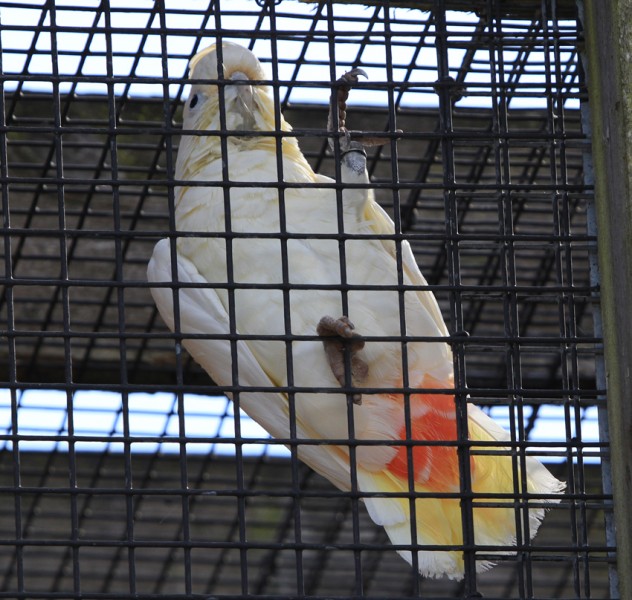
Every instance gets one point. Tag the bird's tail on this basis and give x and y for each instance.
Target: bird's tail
(433, 504)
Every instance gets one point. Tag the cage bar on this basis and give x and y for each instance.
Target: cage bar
(124, 469)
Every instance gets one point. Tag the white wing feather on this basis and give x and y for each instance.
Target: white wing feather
(201, 312)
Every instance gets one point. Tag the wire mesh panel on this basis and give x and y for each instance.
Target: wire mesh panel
(124, 469)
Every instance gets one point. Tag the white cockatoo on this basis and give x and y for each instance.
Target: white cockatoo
(295, 295)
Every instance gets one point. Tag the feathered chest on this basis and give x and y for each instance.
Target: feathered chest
(245, 195)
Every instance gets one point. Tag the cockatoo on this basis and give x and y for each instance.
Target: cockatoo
(296, 296)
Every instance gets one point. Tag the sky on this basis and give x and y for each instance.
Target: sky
(136, 31)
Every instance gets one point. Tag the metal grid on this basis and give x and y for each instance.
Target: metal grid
(108, 493)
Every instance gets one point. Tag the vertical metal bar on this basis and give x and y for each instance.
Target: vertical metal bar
(8, 297)
(129, 498)
(456, 313)
(185, 499)
(355, 502)
(65, 297)
(232, 310)
(500, 96)
(608, 48)
(403, 329)
(564, 303)
(600, 367)
(287, 305)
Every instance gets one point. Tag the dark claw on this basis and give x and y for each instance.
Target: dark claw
(342, 328)
(351, 77)
(342, 86)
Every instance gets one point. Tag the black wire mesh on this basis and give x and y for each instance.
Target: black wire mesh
(120, 475)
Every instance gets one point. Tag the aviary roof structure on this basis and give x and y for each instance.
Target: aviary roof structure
(119, 465)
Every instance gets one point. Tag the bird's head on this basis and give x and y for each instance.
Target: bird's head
(221, 84)
(227, 95)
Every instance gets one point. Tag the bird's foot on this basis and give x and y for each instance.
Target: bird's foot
(339, 338)
(342, 87)
(350, 141)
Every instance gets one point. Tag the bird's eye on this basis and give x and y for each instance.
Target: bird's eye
(194, 101)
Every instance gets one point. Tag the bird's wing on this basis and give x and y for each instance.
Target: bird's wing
(382, 224)
(201, 313)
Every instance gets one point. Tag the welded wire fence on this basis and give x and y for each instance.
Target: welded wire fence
(124, 469)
